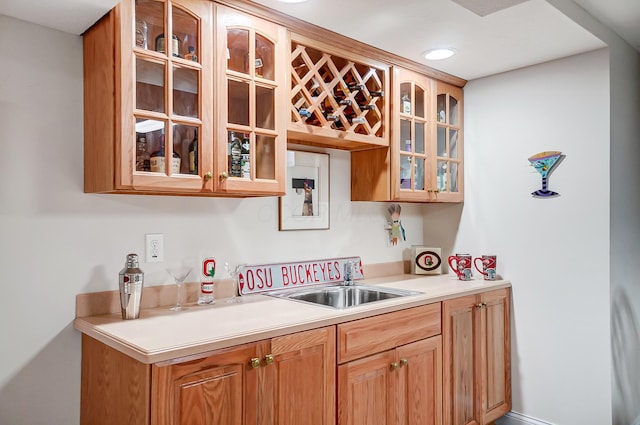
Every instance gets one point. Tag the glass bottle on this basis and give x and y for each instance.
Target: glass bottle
(235, 155)
(175, 45)
(193, 153)
(142, 155)
(406, 104)
(191, 55)
(246, 157)
(141, 33)
(157, 159)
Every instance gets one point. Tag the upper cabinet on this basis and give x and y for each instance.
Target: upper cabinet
(338, 99)
(194, 97)
(251, 67)
(424, 160)
(448, 170)
(166, 111)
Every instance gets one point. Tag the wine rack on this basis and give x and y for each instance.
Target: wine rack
(337, 101)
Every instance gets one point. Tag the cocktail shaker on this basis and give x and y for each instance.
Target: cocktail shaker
(131, 280)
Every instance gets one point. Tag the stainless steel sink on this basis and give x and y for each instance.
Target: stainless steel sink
(341, 297)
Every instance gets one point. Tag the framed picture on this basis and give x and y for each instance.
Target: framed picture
(306, 203)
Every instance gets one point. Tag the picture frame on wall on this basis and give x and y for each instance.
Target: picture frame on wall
(306, 203)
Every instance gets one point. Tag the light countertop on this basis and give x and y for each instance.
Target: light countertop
(161, 335)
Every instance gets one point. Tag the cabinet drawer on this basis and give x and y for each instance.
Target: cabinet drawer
(375, 334)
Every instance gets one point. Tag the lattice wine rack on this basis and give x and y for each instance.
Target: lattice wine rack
(339, 98)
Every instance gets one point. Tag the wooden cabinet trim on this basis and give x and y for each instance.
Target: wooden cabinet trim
(378, 333)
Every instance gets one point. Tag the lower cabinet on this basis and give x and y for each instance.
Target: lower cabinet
(477, 365)
(446, 363)
(288, 380)
(400, 385)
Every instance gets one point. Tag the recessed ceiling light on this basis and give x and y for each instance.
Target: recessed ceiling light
(438, 54)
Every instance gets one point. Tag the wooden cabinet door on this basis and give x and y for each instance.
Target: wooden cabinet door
(448, 155)
(477, 364)
(495, 355)
(460, 343)
(304, 379)
(251, 68)
(420, 389)
(366, 391)
(218, 390)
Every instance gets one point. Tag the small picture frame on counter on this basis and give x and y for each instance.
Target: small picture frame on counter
(426, 260)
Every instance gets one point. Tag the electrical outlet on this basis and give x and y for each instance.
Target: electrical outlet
(154, 247)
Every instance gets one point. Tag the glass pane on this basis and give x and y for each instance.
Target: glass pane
(265, 58)
(234, 153)
(405, 135)
(419, 102)
(419, 175)
(185, 144)
(265, 107)
(453, 143)
(405, 172)
(442, 108)
(265, 157)
(185, 92)
(442, 142)
(419, 141)
(453, 111)
(185, 28)
(238, 50)
(238, 108)
(149, 86)
(441, 176)
(405, 98)
(148, 140)
(149, 18)
(454, 177)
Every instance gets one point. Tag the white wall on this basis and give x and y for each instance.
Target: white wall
(625, 233)
(555, 251)
(58, 242)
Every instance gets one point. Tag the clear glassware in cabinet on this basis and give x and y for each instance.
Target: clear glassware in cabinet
(255, 132)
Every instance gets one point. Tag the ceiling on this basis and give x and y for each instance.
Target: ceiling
(524, 33)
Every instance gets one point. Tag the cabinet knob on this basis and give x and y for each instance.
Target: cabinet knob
(404, 362)
(255, 362)
(394, 366)
(224, 175)
(268, 359)
(481, 305)
(208, 176)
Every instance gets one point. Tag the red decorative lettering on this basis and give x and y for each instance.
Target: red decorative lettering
(336, 264)
(308, 276)
(250, 280)
(285, 276)
(300, 273)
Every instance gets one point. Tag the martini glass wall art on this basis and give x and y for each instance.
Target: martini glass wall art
(545, 163)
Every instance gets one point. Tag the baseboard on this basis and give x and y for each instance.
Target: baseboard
(514, 418)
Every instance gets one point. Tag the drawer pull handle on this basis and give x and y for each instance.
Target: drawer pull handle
(394, 366)
(404, 362)
(208, 176)
(268, 359)
(255, 362)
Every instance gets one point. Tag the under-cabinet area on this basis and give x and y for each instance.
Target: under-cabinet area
(437, 358)
(194, 97)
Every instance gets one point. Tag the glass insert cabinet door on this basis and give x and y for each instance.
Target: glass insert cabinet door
(449, 154)
(411, 148)
(171, 46)
(250, 67)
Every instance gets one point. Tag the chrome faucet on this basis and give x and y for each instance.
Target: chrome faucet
(348, 274)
